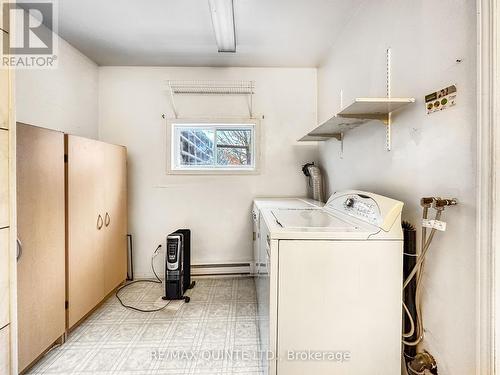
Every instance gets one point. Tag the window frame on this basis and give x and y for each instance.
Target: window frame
(173, 145)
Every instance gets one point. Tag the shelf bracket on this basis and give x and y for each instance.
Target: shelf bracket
(172, 100)
(250, 103)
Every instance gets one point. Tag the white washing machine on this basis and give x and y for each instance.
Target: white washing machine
(334, 286)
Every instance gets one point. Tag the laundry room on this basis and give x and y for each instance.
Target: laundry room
(248, 187)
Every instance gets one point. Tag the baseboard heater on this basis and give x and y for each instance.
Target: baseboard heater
(220, 269)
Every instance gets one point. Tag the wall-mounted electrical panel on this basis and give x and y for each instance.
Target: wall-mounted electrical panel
(440, 100)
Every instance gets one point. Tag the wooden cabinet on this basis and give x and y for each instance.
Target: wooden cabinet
(96, 223)
(4, 178)
(4, 352)
(72, 227)
(4, 97)
(4, 277)
(8, 363)
(41, 230)
(6, 212)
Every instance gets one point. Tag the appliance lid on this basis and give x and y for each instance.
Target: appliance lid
(316, 219)
(293, 203)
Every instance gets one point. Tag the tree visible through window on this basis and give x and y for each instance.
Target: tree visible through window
(217, 146)
(233, 147)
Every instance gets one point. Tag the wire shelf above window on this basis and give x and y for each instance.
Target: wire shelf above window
(212, 87)
(200, 87)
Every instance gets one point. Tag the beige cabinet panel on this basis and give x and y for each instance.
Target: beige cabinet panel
(115, 217)
(41, 270)
(4, 178)
(86, 181)
(5, 350)
(5, 92)
(4, 98)
(4, 276)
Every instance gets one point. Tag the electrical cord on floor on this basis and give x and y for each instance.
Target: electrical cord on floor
(157, 281)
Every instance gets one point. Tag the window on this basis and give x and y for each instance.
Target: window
(213, 147)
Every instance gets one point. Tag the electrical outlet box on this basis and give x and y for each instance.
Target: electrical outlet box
(441, 100)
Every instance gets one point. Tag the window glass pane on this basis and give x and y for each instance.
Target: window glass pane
(234, 147)
(196, 146)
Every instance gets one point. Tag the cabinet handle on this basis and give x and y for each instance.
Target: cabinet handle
(19, 250)
(107, 219)
(100, 222)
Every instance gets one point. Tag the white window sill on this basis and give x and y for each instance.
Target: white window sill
(221, 171)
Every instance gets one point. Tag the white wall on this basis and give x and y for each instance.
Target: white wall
(64, 98)
(432, 154)
(216, 208)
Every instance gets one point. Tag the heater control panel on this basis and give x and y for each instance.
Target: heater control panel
(173, 252)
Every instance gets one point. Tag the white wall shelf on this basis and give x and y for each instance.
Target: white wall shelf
(362, 110)
(358, 113)
(332, 128)
(374, 108)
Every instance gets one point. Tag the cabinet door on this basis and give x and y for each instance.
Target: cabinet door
(86, 180)
(4, 96)
(115, 253)
(4, 178)
(4, 276)
(5, 350)
(41, 230)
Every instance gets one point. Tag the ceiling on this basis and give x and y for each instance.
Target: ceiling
(285, 33)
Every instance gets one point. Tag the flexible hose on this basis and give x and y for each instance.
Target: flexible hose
(418, 269)
(407, 311)
(421, 258)
(412, 323)
(418, 307)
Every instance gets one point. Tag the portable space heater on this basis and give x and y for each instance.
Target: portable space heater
(178, 265)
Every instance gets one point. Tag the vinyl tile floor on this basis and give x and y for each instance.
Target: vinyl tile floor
(215, 333)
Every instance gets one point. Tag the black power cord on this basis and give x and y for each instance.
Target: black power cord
(157, 281)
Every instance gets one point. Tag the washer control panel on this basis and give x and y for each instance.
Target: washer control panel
(369, 207)
(363, 207)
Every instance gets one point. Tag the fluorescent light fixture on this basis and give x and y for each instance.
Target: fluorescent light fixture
(222, 12)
